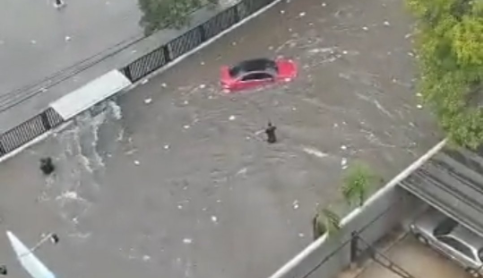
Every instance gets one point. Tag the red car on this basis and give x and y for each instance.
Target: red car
(258, 72)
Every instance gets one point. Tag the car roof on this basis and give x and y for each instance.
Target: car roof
(253, 65)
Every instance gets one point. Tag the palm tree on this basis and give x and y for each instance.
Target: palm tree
(357, 181)
(326, 220)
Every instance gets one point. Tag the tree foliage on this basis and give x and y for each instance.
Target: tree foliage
(450, 52)
(161, 14)
(357, 181)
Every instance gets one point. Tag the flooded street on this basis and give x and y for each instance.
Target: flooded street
(175, 177)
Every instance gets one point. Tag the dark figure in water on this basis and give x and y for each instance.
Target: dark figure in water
(270, 131)
(3, 270)
(54, 238)
(47, 166)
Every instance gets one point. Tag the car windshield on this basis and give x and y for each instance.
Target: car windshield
(253, 65)
(445, 227)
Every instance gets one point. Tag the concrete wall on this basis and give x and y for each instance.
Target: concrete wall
(382, 212)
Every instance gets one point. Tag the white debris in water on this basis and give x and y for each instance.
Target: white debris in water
(233, 43)
(164, 85)
(148, 100)
(33, 41)
(144, 81)
(365, 28)
(301, 235)
(166, 147)
(343, 147)
(214, 219)
(218, 201)
(187, 241)
(202, 63)
(386, 23)
(419, 106)
(146, 258)
(294, 108)
(67, 38)
(324, 4)
(344, 52)
(186, 126)
(314, 152)
(282, 11)
(343, 162)
(180, 207)
(136, 162)
(419, 95)
(115, 110)
(295, 204)
(302, 14)
(232, 118)
(72, 195)
(202, 86)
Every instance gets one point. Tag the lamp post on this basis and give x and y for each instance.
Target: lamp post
(27, 258)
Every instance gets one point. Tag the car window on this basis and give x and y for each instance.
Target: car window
(458, 246)
(445, 227)
(253, 65)
(257, 76)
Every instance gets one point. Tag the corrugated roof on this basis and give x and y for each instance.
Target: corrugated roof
(452, 181)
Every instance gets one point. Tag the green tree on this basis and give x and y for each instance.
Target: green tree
(325, 221)
(161, 14)
(450, 55)
(357, 181)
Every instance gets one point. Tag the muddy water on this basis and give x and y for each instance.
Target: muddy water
(184, 184)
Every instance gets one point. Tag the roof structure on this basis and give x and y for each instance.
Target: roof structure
(452, 181)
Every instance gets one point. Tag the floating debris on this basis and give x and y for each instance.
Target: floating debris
(232, 118)
(365, 28)
(136, 162)
(187, 241)
(386, 23)
(67, 38)
(295, 204)
(343, 147)
(166, 147)
(214, 219)
(302, 14)
(164, 85)
(148, 100)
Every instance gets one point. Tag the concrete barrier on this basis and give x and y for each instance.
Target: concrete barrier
(382, 212)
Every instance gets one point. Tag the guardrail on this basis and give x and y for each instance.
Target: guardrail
(161, 57)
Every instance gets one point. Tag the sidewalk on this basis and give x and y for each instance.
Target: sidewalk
(57, 51)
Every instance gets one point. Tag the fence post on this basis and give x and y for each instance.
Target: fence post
(353, 248)
(45, 120)
(127, 72)
(2, 149)
(237, 16)
(202, 33)
(167, 53)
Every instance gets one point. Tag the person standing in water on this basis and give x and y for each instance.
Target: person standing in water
(270, 131)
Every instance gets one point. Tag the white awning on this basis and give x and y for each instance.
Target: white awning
(90, 94)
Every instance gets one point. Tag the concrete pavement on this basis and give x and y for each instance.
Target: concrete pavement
(186, 186)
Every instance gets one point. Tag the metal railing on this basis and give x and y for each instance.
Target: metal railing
(192, 38)
(141, 67)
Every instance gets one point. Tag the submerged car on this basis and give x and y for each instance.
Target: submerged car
(257, 72)
(451, 239)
